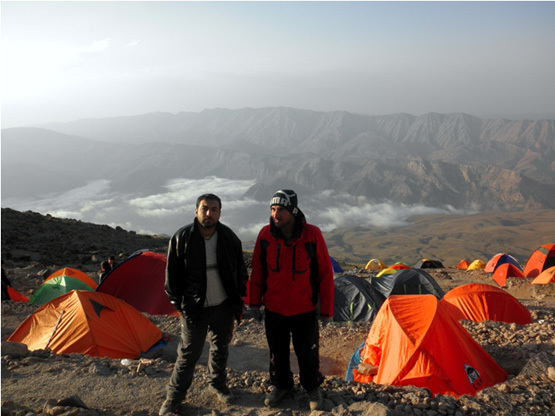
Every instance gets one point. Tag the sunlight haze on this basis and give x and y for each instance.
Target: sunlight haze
(63, 61)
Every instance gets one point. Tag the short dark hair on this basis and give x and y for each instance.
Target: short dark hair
(209, 197)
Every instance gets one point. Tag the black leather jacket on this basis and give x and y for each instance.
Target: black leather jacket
(186, 270)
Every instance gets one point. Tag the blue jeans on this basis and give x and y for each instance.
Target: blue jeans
(217, 322)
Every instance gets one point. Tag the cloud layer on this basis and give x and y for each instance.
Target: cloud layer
(164, 213)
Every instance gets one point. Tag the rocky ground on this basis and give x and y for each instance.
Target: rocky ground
(41, 382)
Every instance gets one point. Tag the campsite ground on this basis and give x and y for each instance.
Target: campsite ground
(115, 387)
(34, 246)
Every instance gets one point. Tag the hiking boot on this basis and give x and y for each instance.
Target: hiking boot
(169, 406)
(315, 399)
(275, 396)
(224, 394)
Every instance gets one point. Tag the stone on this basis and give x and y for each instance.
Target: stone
(503, 388)
(336, 398)
(15, 349)
(376, 409)
(100, 369)
(358, 407)
(73, 401)
(327, 404)
(340, 411)
(30, 360)
(9, 407)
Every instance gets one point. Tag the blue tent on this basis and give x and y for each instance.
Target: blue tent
(336, 267)
(353, 363)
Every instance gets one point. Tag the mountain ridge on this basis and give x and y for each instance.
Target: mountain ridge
(436, 160)
(283, 130)
(246, 120)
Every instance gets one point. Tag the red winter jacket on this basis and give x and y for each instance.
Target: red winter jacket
(290, 277)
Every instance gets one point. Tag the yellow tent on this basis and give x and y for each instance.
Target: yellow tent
(477, 264)
(386, 271)
(375, 264)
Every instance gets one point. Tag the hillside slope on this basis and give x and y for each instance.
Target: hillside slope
(448, 238)
(30, 236)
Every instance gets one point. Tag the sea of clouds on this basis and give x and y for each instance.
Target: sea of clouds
(165, 212)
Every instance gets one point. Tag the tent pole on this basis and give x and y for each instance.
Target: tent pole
(55, 328)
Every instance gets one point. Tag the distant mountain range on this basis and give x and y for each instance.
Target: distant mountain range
(434, 159)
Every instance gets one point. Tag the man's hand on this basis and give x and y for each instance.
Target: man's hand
(257, 314)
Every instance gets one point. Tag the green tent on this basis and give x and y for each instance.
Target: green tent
(56, 286)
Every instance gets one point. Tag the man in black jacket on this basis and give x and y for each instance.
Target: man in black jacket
(206, 279)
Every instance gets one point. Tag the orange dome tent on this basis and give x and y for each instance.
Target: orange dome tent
(541, 259)
(545, 277)
(76, 274)
(478, 302)
(89, 323)
(463, 264)
(506, 270)
(416, 340)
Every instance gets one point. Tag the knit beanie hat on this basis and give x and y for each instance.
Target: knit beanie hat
(286, 198)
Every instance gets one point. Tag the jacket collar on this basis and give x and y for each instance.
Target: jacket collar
(300, 220)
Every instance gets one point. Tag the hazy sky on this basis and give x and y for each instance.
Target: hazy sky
(63, 61)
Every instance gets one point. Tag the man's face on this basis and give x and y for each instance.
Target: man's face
(208, 213)
(281, 217)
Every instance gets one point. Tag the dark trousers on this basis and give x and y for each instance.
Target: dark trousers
(217, 322)
(304, 331)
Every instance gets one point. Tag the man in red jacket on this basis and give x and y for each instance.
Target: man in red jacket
(292, 277)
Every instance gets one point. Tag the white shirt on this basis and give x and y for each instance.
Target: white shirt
(215, 292)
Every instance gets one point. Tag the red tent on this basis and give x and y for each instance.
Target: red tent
(478, 302)
(139, 280)
(15, 295)
(416, 340)
(399, 266)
